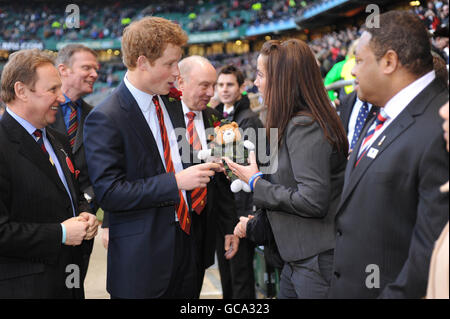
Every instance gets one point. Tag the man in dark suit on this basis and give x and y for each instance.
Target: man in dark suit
(237, 275)
(137, 172)
(78, 67)
(45, 224)
(355, 114)
(218, 218)
(391, 211)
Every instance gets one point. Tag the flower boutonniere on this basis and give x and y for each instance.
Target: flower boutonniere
(70, 165)
(214, 121)
(175, 94)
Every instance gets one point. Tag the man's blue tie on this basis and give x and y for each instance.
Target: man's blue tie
(362, 116)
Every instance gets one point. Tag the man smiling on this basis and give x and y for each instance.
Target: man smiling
(39, 195)
(78, 67)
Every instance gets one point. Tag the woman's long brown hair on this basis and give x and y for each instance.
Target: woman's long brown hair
(294, 87)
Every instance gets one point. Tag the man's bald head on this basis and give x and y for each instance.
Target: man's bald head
(193, 63)
(197, 80)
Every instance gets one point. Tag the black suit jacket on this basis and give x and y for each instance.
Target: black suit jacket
(219, 213)
(33, 203)
(391, 210)
(78, 148)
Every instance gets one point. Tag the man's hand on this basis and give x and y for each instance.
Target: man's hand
(196, 176)
(105, 237)
(76, 228)
(93, 223)
(231, 246)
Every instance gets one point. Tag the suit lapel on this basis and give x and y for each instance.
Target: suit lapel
(59, 124)
(404, 120)
(85, 109)
(138, 123)
(31, 150)
(395, 129)
(347, 112)
(62, 156)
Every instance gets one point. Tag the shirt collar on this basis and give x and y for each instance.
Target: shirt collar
(228, 110)
(24, 123)
(401, 100)
(187, 110)
(67, 100)
(142, 98)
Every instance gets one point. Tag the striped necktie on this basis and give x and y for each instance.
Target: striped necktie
(73, 124)
(40, 141)
(181, 208)
(199, 194)
(382, 117)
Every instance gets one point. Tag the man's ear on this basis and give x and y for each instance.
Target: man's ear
(181, 82)
(62, 69)
(20, 91)
(142, 62)
(390, 62)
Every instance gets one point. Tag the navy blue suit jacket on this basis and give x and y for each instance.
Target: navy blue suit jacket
(130, 181)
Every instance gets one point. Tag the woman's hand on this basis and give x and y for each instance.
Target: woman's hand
(244, 173)
(241, 228)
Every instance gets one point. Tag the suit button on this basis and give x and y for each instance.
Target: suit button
(336, 274)
(339, 233)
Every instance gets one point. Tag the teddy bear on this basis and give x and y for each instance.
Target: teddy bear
(227, 143)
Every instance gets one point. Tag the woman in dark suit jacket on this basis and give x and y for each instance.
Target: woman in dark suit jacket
(300, 198)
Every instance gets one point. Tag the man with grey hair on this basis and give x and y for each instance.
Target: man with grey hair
(217, 214)
(77, 66)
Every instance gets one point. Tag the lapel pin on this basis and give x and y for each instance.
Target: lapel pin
(382, 140)
(373, 152)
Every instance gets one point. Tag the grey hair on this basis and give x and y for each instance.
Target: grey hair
(66, 53)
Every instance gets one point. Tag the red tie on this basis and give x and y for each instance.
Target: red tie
(182, 208)
(376, 126)
(199, 194)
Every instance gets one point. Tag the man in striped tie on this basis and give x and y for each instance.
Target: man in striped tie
(137, 172)
(391, 210)
(214, 205)
(78, 67)
(45, 223)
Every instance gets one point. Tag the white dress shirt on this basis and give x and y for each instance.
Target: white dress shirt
(400, 101)
(199, 125)
(145, 103)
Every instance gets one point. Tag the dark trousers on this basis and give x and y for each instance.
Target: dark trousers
(308, 278)
(236, 275)
(183, 281)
